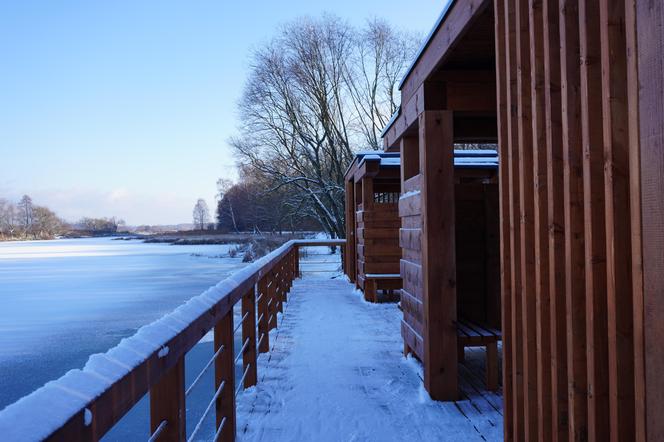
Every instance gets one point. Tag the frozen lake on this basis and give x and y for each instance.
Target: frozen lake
(63, 300)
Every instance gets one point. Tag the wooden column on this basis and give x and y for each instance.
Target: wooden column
(351, 245)
(439, 263)
(224, 371)
(555, 213)
(512, 165)
(249, 332)
(505, 253)
(649, 25)
(167, 403)
(264, 316)
(526, 218)
(541, 221)
(574, 228)
(367, 193)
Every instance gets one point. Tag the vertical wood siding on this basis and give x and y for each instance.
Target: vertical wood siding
(580, 286)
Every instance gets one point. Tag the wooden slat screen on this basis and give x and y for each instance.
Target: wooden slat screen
(570, 222)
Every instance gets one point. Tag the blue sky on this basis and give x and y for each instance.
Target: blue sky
(124, 108)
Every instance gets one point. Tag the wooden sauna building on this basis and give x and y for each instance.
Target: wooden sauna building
(572, 92)
(372, 225)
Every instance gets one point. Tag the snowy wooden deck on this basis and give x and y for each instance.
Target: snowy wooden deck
(336, 371)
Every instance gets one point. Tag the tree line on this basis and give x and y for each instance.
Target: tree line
(26, 220)
(317, 93)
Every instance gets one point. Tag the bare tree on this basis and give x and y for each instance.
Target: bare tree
(26, 210)
(201, 214)
(316, 93)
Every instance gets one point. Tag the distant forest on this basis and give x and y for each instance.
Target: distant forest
(25, 220)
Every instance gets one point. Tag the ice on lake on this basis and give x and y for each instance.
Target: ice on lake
(63, 300)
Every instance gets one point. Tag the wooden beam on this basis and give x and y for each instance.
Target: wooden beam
(541, 227)
(514, 217)
(555, 213)
(574, 228)
(505, 251)
(224, 372)
(459, 19)
(650, 52)
(635, 207)
(595, 238)
(249, 358)
(526, 205)
(615, 154)
(167, 403)
(440, 336)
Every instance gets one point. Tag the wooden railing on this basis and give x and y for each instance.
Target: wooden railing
(85, 404)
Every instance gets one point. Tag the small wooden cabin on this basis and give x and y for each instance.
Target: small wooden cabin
(372, 224)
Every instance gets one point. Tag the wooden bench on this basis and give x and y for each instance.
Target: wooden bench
(471, 334)
(380, 281)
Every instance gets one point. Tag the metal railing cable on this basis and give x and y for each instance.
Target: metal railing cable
(237, 327)
(241, 352)
(157, 432)
(241, 382)
(207, 411)
(221, 427)
(205, 369)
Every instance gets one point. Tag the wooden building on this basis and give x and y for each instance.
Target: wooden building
(372, 251)
(573, 93)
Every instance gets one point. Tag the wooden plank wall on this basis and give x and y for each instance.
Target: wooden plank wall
(377, 240)
(645, 96)
(573, 297)
(410, 241)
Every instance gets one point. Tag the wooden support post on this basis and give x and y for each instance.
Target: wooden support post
(439, 260)
(167, 403)
(575, 301)
(298, 273)
(264, 315)
(224, 371)
(280, 287)
(492, 368)
(370, 290)
(367, 193)
(272, 301)
(505, 253)
(249, 332)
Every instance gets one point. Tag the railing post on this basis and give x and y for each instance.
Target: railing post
(249, 332)
(272, 307)
(264, 315)
(283, 282)
(279, 288)
(167, 403)
(297, 262)
(224, 371)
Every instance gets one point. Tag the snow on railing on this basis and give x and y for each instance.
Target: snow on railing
(85, 403)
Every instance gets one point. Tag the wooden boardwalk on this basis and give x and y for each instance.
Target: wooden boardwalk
(336, 372)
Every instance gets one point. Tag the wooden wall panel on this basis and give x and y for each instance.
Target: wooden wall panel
(581, 211)
(504, 210)
(618, 247)
(649, 25)
(555, 213)
(514, 218)
(540, 220)
(594, 229)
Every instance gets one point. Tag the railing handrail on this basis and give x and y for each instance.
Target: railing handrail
(90, 401)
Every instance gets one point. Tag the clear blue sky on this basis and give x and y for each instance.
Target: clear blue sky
(124, 108)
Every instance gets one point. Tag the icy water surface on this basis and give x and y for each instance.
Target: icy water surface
(61, 301)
